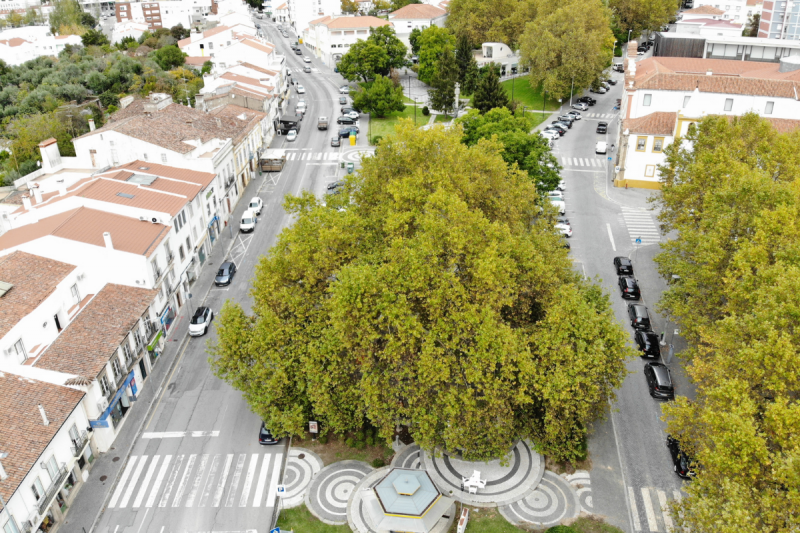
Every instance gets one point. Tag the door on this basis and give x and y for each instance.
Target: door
(52, 468)
(142, 369)
(58, 322)
(73, 435)
(38, 489)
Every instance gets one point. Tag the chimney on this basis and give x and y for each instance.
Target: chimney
(107, 239)
(26, 202)
(91, 124)
(219, 122)
(37, 194)
(45, 421)
(62, 187)
(709, 73)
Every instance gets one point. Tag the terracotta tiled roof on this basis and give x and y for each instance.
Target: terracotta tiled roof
(785, 125)
(322, 20)
(418, 11)
(15, 41)
(235, 112)
(705, 10)
(206, 35)
(196, 61)
(282, 6)
(754, 2)
(23, 435)
(88, 342)
(34, 279)
(252, 43)
(238, 78)
(714, 23)
(347, 23)
(261, 69)
(658, 123)
(88, 225)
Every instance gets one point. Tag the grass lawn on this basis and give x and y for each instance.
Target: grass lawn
(442, 118)
(336, 450)
(384, 127)
(300, 520)
(490, 521)
(527, 96)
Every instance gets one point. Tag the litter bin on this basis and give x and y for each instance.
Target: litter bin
(350, 167)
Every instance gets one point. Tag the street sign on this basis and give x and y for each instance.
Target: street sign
(609, 158)
(313, 427)
(276, 530)
(281, 491)
(638, 240)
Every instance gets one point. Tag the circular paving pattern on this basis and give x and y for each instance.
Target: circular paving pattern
(328, 493)
(552, 502)
(301, 468)
(409, 457)
(583, 486)
(354, 156)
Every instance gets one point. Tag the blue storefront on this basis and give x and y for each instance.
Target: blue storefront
(118, 406)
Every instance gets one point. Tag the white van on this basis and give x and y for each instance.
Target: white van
(248, 222)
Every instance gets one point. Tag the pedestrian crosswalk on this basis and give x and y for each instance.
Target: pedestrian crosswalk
(641, 226)
(312, 156)
(650, 509)
(599, 162)
(586, 114)
(200, 480)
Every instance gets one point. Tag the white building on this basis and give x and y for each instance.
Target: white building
(128, 28)
(281, 13)
(212, 42)
(416, 16)
(664, 95)
(248, 86)
(329, 38)
(730, 10)
(16, 50)
(247, 49)
(737, 48)
(500, 54)
(302, 12)
(711, 27)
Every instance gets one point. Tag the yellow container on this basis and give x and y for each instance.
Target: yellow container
(352, 140)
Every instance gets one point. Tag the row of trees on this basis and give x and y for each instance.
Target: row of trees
(433, 293)
(732, 194)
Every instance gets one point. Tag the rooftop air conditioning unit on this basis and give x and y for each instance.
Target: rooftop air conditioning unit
(142, 217)
(154, 220)
(102, 405)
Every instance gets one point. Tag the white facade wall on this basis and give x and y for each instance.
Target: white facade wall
(228, 56)
(45, 46)
(215, 44)
(735, 10)
(302, 12)
(711, 104)
(127, 29)
(404, 27)
(329, 45)
(643, 165)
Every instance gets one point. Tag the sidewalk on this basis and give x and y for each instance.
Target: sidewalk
(93, 495)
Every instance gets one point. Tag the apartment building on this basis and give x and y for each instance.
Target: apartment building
(302, 12)
(416, 16)
(330, 37)
(780, 19)
(731, 10)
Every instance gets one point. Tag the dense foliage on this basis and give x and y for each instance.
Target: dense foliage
(731, 192)
(434, 293)
(381, 53)
(432, 43)
(379, 98)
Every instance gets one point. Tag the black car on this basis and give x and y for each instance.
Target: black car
(558, 129)
(225, 274)
(680, 461)
(346, 110)
(640, 318)
(623, 266)
(334, 187)
(629, 288)
(642, 49)
(345, 120)
(648, 343)
(587, 100)
(659, 382)
(335, 142)
(265, 436)
(611, 82)
(602, 127)
(345, 132)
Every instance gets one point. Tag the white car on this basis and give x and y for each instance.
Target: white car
(575, 115)
(355, 115)
(344, 89)
(306, 59)
(556, 194)
(200, 322)
(256, 205)
(301, 89)
(580, 106)
(565, 229)
(601, 147)
(560, 205)
(291, 136)
(549, 134)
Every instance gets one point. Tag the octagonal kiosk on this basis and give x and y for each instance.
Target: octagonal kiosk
(405, 500)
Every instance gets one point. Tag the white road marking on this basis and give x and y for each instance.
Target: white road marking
(248, 480)
(262, 480)
(273, 484)
(132, 484)
(184, 480)
(200, 471)
(141, 525)
(611, 236)
(637, 525)
(648, 510)
(237, 474)
(146, 483)
(179, 434)
(662, 500)
(221, 486)
(157, 485)
(212, 474)
(171, 481)
(205, 433)
(122, 481)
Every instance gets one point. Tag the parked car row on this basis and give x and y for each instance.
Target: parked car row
(561, 125)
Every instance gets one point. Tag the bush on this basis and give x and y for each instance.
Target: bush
(349, 442)
(360, 445)
(369, 432)
(583, 450)
(377, 463)
(377, 139)
(561, 529)
(425, 111)
(323, 439)
(360, 436)
(370, 441)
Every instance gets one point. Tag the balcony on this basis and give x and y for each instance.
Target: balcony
(45, 502)
(119, 379)
(79, 444)
(26, 526)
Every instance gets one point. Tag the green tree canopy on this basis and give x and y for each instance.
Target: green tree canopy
(169, 57)
(569, 40)
(94, 38)
(467, 66)
(413, 40)
(640, 15)
(363, 61)
(435, 293)
(380, 98)
(489, 93)
(67, 17)
(432, 42)
(384, 36)
(178, 32)
(442, 94)
(731, 194)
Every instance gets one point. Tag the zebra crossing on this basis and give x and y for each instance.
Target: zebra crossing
(654, 503)
(313, 156)
(598, 115)
(202, 480)
(640, 225)
(600, 163)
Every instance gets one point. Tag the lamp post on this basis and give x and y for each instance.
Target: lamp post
(544, 99)
(571, 90)
(415, 112)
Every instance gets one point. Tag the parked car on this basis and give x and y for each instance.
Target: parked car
(291, 136)
(344, 89)
(565, 242)
(640, 318)
(307, 69)
(306, 59)
(562, 185)
(560, 205)
(565, 229)
(345, 119)
(563, 123)
(345, 110)
(681, 462)
(301, 89)
(265, 436)
(353, 114)
(648, 343)
(602, 127)
(297, 51)
(641, 50)
(248, 222)
(556, 194)
(623, 266)
(580, 106)
(558, 129)
(619, 67)
(563, 220)
(611, 82)
(550, 134)
(334, 187)
(335, 142)
(588, 100)
(659, 381)
(561, 128)
(569, 119)
(599, 90)
(256, 204)
(225, 274)
(576, 115)
(343, 100)
(345, 132)
(629, 288)
(601, 147)
(200, 321)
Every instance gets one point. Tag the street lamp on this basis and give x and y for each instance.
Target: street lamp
(571, 90)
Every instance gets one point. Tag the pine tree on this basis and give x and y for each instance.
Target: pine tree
(442, 94)
(463, 57)
(489, 94)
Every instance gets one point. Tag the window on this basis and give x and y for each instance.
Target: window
(641, 144)
(728, 104)
(686, 100)
(658, 144)
(156, 270)
(76, 295)
(229, 43)
(768, 108)
(10, 526)
(649, 171)
(116, 368)
(19, 348)
(52, 468)
(189, 244)
(104, 386)
(210, 46)
(38, 489)
(145, 157)
(647, 99)
(163, 158)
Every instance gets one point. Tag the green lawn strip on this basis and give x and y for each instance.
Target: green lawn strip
(527, 96)
(590, 525)
(442, 118)
(488, 521)
(300, 519)
(384, 127)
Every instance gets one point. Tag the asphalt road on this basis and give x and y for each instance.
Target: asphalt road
(632, 474)
(197, 465)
